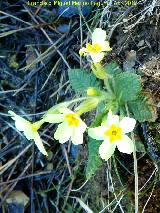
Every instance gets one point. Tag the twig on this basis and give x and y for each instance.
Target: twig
(76, 190)
(149, 198)
(155, 170)
(67, 160)
(12, 187)
(9, 163)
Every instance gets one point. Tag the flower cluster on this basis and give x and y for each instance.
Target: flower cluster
(112, 131)
(70, 127)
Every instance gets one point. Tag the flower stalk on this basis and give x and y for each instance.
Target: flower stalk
(135, 166)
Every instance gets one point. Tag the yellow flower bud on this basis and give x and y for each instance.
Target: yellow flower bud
(91, 91)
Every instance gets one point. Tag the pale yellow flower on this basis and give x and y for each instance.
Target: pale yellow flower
(71, 127)
(98, 47)
(113, 133)
(30, 130)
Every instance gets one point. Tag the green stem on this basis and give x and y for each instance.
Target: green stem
(135, 167)
(108, 87)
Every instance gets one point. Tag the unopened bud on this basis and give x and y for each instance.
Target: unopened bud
(92, 91)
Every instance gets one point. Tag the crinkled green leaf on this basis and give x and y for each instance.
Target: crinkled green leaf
(126, 86)
(112, 68)
(80, 80)
(94, 160)
(143, 109)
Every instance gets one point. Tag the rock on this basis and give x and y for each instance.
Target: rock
(63, 28)
(16, 202)
(129, 64)
(141, 43)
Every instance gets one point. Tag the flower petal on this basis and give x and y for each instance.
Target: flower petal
(82, 51)
(125, 145)
(39, 144)
(81, 126)
(54, 118)
(65, 110)
(20, 123)
(63, 132)
(105, 46)
(97, 57)
(106, 149)
(98, 35)
(127, 124)
(114, 119)
(111, 119)
(77, 136)
(97, 132)
(29, 134)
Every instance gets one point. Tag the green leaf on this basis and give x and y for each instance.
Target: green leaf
(143, 109)
(140, 147)
(126, 86)
(112, 68)
(80, 80)
(94, 160)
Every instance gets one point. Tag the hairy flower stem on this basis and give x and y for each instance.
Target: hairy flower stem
(100, 73)
(135, 166)
(107, 85)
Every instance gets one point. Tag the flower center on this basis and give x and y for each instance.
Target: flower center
(114, 133)
(34, 128)
(93, 48)
(72, 121)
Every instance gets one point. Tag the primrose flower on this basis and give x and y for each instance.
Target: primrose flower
(113, 133)
(98, 46)
(30, 130)
(71, 127)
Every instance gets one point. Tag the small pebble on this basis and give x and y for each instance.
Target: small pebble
(63, 28)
